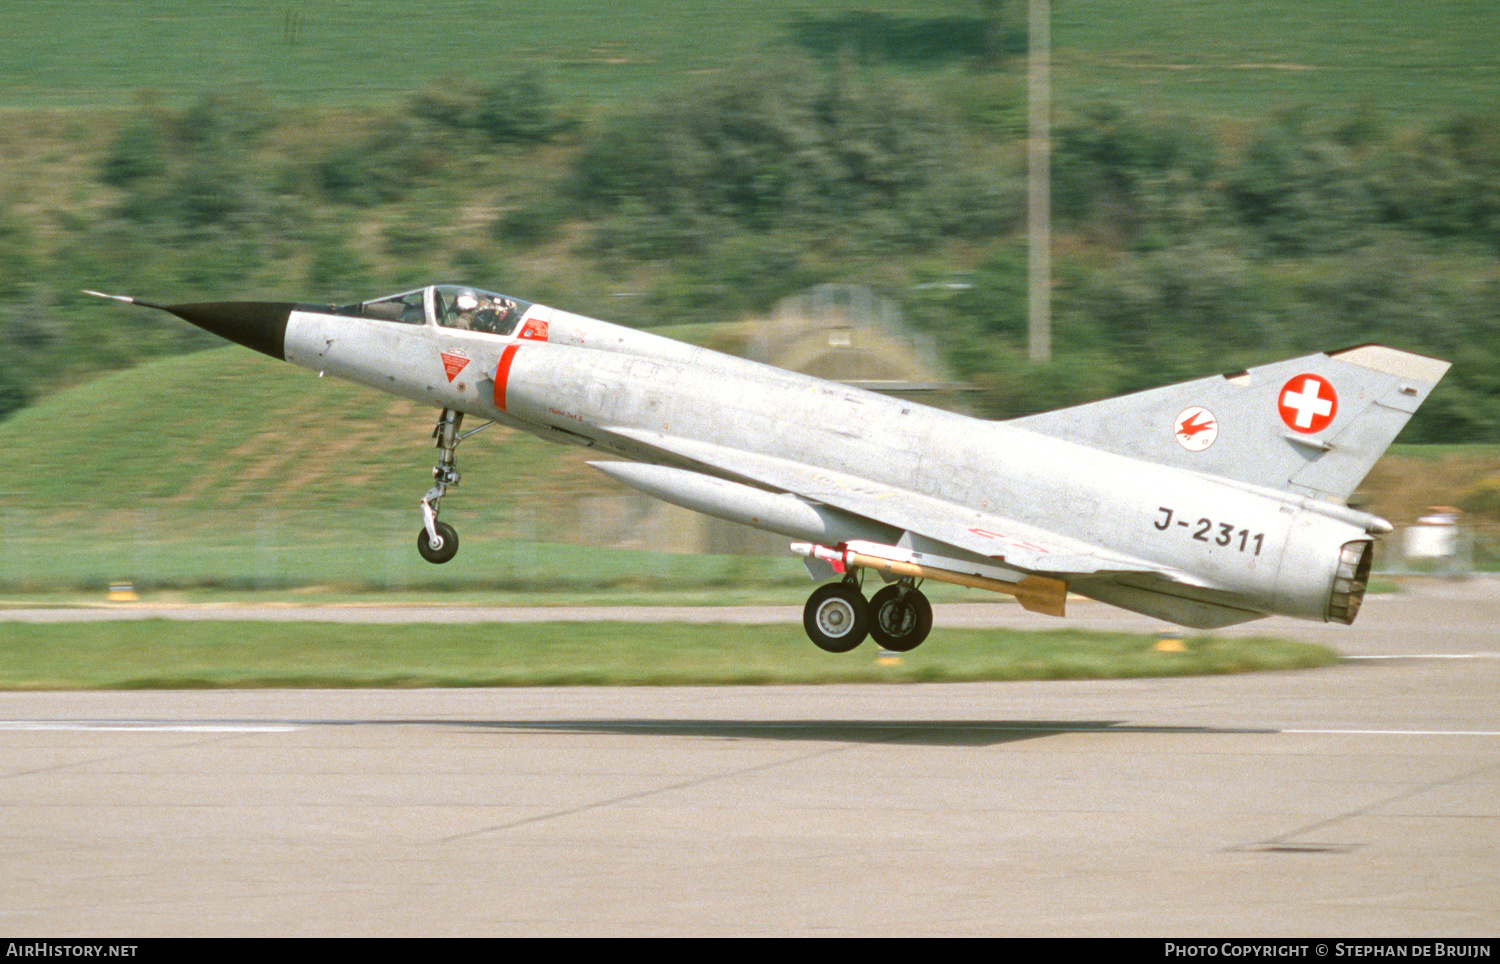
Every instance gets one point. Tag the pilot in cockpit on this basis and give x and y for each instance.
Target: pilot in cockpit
(465, 308)
(493, 314)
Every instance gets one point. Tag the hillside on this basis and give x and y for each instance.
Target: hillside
(223, 432)
(221, 469)
(1230, 185)
(217, 437)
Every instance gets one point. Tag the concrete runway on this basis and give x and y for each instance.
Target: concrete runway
(1358, 800)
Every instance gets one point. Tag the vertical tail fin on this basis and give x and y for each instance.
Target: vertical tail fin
(1313, 425)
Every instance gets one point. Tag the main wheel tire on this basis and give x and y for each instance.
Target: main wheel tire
(447, 544)
(900, 622)
(835, 617)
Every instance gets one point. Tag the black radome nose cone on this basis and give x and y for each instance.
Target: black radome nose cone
(255, 324)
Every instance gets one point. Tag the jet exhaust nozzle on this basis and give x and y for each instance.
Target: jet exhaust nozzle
(1350, 580)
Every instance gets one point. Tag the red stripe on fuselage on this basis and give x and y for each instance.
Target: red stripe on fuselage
(502, 375)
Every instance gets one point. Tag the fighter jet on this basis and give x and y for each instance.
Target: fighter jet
(1207, 503)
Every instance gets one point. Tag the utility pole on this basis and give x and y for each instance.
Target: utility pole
(1039, 182)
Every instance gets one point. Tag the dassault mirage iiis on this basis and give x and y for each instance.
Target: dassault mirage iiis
(1207, 503)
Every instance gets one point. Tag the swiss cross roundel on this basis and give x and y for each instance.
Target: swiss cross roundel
(1307, 403)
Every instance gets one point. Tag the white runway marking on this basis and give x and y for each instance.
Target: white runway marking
(1399, 732)
(1429, 656)
(126, 726)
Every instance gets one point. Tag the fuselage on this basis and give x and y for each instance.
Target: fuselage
(578, 380)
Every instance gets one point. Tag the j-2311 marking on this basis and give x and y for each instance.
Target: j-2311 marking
(1203, 528)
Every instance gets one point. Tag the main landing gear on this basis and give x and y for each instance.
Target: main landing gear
(837, 617)
(438, 541)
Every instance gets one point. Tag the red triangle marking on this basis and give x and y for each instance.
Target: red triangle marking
(453, 364)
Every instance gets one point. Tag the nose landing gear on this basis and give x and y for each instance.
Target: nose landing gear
(438, 541)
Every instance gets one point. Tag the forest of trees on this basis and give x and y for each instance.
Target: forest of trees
(1183, 248)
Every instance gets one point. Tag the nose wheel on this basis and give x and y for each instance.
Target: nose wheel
(440, 549)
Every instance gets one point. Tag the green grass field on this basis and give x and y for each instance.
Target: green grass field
(1250, 57)
(1239, 59)
(160, 655)
(369, 50)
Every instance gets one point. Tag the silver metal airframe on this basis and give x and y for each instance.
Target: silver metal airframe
(1206, 503)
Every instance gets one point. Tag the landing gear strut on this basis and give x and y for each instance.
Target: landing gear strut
(438, 541)
(837, 617)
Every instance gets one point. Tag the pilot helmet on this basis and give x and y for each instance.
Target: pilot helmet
(466, 301)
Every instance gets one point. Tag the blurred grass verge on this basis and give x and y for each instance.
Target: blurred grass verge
(156, 654)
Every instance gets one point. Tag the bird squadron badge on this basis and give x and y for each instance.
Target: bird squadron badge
(1196, 428)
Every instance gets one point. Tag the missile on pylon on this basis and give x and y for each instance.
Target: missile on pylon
(1038, 594)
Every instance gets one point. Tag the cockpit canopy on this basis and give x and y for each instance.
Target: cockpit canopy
(451, 306)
